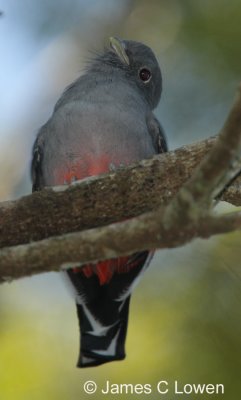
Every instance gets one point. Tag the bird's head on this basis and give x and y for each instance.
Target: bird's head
(138, 64)
(141, 66)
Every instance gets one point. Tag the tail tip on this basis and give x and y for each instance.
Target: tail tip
(86, 361)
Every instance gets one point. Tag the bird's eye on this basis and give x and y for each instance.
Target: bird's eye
(145, 74)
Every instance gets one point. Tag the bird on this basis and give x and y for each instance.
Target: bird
(103, 120)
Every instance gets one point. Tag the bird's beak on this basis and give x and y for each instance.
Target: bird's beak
(118, 47)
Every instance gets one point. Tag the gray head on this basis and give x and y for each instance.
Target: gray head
(137, 63)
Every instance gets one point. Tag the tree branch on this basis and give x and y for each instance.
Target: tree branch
(187, 215)
(144, 232)
(215, 171)
(99, 201)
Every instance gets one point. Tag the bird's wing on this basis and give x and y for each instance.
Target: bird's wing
(157, 133)
(36, 166)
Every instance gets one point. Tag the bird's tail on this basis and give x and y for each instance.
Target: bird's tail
(98, 343)
(103, 308)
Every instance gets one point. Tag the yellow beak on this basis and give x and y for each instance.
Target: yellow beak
(119, 48)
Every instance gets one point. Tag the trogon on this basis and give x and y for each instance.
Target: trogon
(102, 121)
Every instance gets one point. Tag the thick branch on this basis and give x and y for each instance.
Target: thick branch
(102, 200)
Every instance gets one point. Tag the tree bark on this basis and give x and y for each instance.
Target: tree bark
(99, 201)
(75, 249)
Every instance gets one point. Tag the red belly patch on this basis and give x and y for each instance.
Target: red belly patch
(89, 166)
(105, 269)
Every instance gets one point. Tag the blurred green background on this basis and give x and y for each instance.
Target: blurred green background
(185, 319)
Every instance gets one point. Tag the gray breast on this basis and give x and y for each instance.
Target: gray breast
(96, 127)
